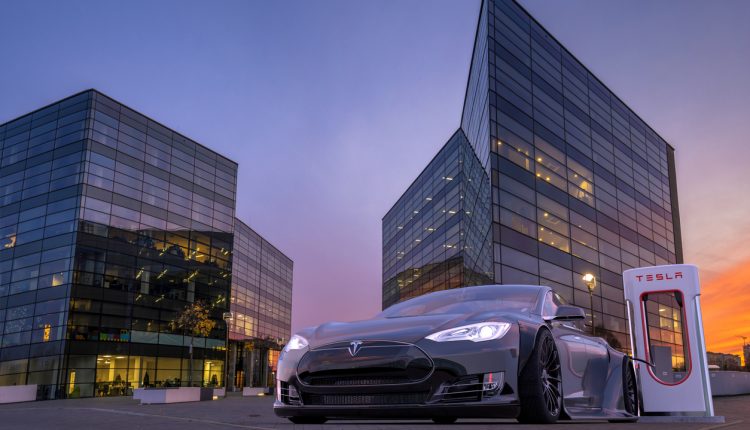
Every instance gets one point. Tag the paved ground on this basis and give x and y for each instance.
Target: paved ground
(255, 413)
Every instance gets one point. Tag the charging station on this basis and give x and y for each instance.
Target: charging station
(666, 331)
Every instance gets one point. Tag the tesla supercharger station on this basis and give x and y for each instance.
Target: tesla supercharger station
(666, 330)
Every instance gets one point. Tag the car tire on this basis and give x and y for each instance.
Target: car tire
(540, 383)
(444, 420)
(308, 420)
(629, 391)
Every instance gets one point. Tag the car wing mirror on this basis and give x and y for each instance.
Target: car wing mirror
(569, 313)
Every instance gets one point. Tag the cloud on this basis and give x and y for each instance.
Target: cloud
(726, 308)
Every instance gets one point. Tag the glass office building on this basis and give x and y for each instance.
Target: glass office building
(577, 182)
(110, 224)
(261, 304)
(437, 234)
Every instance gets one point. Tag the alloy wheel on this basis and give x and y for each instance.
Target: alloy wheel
(551, 380)
(631, 400)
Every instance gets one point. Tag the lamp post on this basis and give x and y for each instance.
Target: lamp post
(590, 281)
(744, 345)
(227, 316)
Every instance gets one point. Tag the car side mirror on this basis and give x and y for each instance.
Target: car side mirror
(567, 313)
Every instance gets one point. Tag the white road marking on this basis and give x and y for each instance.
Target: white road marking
(141, 414)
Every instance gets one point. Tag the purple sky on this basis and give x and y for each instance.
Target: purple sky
(332, 108)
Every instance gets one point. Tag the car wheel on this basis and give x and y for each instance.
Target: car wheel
(540, 383)
(444, 420)
(308, 420)
(629, 390)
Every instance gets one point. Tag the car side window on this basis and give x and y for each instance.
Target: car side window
(558, 300)
(549, 308)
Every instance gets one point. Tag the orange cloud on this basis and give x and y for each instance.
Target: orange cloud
(725, 300)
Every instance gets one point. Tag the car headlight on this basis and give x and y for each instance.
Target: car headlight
(479, 332)
(296, 342)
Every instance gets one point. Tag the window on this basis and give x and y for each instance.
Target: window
(582, 194)
(517, 155)
(552, 238)
(582, 222)
(517, 222)
(516, 188)
(555, 273)
(517, 205)
(519, 260)
(548, 220)
(547, 169)
(551, 302)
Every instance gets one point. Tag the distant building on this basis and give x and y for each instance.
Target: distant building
(110, 224)
(724, 361)
(746, 354)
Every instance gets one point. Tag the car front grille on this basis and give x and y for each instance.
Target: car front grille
(365, 399)
(467, 389)
(289, 397)
(375, 363)
(357, 380)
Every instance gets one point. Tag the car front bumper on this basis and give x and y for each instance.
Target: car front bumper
(454, 386)
(487, 409)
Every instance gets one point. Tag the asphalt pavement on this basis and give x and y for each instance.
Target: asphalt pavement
(256, 413)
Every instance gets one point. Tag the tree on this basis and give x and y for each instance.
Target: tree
(263, 343)
(195, 320)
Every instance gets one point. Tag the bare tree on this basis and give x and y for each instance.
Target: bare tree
(195, 320)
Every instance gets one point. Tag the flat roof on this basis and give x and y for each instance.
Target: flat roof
(95, 91)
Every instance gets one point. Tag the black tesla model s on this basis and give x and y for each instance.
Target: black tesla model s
(496, 351)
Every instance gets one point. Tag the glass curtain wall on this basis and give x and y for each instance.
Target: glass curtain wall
(261, 306)
(41, 169)
(437, 236)
(110, 224)
(155, 234)
(579, 183)
(582, 183)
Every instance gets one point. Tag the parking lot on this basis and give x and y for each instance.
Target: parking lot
(236, 412)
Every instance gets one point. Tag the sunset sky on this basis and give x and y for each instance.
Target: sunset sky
(333, 107)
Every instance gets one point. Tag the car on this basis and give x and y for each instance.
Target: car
(493, 351)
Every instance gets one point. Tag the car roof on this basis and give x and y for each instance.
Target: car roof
(541, 290)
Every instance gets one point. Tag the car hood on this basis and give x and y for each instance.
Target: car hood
(401, 329)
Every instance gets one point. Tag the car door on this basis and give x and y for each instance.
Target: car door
(573, 347)
(596, 370)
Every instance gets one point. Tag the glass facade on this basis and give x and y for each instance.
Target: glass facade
(437, 235)
(110, 224)
(261, 305)
(579, 183)
(41, 172)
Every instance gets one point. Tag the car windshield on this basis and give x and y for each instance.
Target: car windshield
(466, 300)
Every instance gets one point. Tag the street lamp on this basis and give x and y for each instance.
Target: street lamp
(590, 281)
(744, 338)
(227, 316)
(744, 355)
